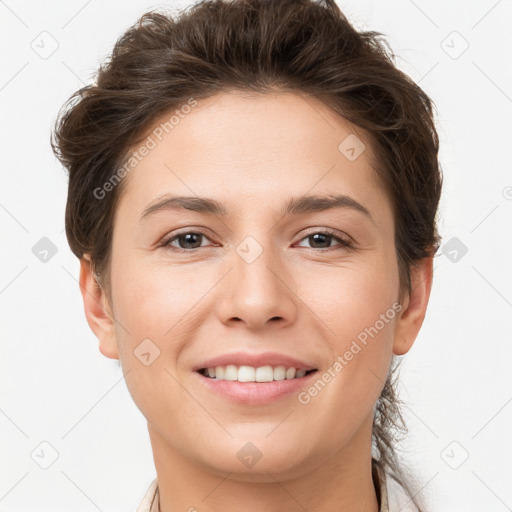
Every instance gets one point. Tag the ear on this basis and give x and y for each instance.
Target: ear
(97, 309)
(414, 307)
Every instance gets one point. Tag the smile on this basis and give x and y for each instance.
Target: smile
(252, 392)
(245, 373)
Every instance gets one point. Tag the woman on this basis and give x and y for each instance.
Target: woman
(253, 190)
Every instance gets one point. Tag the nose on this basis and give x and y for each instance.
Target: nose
(258, 293)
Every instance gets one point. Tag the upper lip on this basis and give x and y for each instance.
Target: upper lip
(255, 360)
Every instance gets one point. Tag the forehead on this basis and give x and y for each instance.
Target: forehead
(238, 146)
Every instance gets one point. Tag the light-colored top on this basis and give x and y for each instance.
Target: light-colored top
(150, 502)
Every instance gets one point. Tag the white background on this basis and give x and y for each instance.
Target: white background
(58, 388)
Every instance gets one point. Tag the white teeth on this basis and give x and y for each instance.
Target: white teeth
(264, 374)
(219, 372)
(252, 374)
(231, 372)
(246, 374)
(290, 373)
(279, 373)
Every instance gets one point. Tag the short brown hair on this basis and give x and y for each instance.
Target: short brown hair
(301, 46)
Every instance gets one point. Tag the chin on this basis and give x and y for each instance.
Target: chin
(257, 459)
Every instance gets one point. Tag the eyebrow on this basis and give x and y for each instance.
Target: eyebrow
(295, 206)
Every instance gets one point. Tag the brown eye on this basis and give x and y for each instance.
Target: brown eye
(323, 240)
(189, 240)
(320, 240)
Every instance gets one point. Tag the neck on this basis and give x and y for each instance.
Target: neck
(343, 483)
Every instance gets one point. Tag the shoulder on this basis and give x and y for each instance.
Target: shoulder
(150, 501)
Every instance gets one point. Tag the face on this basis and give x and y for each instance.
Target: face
(257, 276)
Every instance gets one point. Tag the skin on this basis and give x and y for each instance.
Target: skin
(254, 153)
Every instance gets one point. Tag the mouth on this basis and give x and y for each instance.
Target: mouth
(254, 385)
(251, 379)
(259, 374)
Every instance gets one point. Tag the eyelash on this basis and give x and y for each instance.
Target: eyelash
(329, 232)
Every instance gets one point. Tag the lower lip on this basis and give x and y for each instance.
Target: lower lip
(255, 393)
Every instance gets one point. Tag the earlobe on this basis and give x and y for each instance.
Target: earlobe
(415, 306)
(97, 310)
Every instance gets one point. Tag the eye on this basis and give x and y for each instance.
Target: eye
(187, 241)
(324, 238)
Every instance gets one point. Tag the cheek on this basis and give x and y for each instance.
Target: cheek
(153, 301)
(343, 394)
(352, 297)
(359, 306)
(154, 309)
